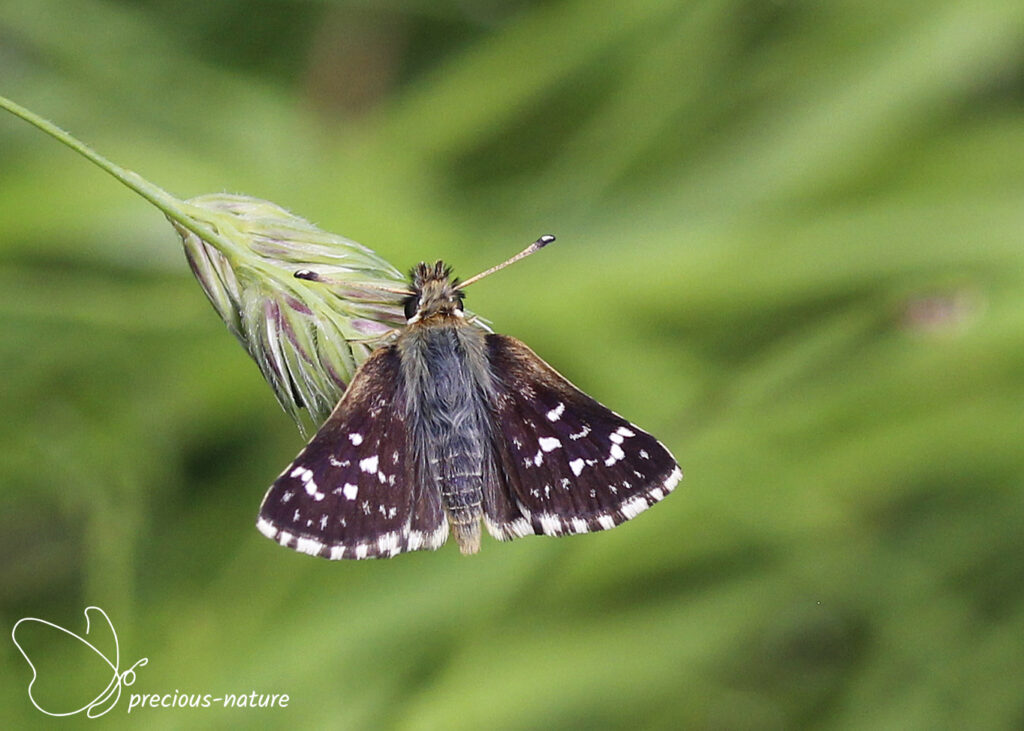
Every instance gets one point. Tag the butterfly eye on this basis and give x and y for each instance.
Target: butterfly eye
(411, 305)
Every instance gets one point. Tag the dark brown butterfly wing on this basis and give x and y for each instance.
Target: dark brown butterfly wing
(564, 463)
(352, 491)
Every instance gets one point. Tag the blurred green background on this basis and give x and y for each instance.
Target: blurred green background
(791, 244)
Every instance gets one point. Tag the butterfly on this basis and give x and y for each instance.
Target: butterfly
(446, 425)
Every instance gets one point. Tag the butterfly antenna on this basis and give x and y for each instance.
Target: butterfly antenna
(310, 276)
(535, 246)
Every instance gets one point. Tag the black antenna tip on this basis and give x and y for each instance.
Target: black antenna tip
(545, 240)
(308, 275)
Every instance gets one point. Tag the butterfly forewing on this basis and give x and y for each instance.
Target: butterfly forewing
(351, 492)
(566, 464)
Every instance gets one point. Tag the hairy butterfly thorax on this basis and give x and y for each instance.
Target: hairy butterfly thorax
(447, 425)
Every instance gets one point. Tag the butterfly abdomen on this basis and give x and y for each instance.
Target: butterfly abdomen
(446, 383)
(461, 486)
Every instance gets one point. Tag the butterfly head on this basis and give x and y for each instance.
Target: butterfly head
(435, 294)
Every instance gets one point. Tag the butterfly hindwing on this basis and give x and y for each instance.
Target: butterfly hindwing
(351, 492)
(567, 463)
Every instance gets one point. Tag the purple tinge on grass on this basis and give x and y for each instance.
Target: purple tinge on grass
(306, 336)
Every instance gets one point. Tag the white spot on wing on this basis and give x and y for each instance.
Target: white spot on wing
(549, 443)
(350, 490)
(507, 531)
(556, 413)
(369, 464)
(309, 545)
(356, 439)
(306, 476)
(419, 539)
(266, 528)
(633, 507)
(388, 544)
(576, 466)
(614, 455)
(673, 479)
(550, 524)
(581, 433)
